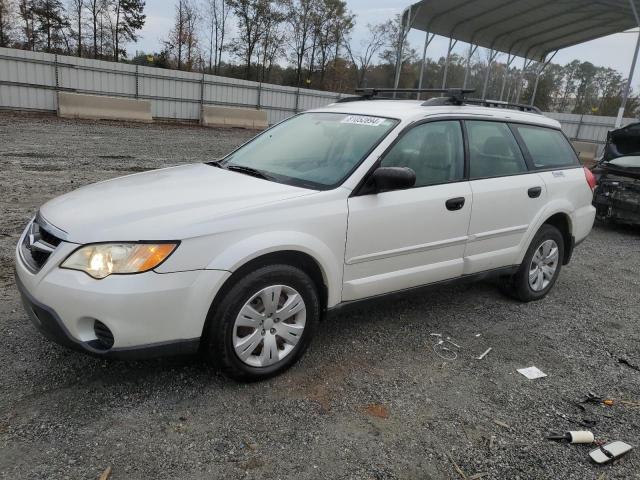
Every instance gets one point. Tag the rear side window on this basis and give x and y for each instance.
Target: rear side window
(548, 148)
(493, 150)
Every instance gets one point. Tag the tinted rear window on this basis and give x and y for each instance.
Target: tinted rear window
(493, 150)
(548, 148)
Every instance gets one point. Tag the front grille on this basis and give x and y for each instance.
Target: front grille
(38, 245)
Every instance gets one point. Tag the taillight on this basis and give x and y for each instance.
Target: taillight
(591, 179)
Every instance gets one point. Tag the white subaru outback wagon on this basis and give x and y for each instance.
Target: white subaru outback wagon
(241, 258)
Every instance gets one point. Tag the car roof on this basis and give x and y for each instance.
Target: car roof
(415, 110)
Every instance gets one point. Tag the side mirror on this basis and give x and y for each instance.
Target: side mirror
(386, 179)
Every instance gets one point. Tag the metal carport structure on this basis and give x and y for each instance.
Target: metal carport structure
(531, 29)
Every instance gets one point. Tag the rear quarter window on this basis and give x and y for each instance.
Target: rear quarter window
(547, 148)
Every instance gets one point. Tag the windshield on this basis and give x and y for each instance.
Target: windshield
(313, 150)
(626, 162)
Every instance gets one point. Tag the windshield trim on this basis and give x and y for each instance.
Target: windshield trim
(297, 182)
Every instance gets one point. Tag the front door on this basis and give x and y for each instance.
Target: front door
(402, 239)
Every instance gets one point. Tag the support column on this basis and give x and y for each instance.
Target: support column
(427, 41)
(526, 64)
(492, 56)
(541, 70)
(405, 26)
(510, 59)
(472, 50)
(452, 45)
(627, 88)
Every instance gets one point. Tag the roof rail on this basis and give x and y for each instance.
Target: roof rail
(499, 104)
(454, 94)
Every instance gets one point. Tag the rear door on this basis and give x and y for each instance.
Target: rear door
(507, 196)
(402, 239)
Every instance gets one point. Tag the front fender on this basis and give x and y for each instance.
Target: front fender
(250, 248)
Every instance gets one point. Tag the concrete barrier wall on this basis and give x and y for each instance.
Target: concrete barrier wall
(75, 105)
(588, 151)
(212, 116)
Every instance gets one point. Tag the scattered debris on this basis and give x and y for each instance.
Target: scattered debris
(444, 347)
(608, 402)
(458, 469)
(478, 475)
(572, 437)
(485, 353)
(532, 373)
(491, 442)
(610, 452)
(501, 424)
(377, 410)
(106, 474)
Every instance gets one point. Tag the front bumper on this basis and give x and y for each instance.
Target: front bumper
(148, 314)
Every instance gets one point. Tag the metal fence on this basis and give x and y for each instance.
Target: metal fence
(30, 80)
(587, 128)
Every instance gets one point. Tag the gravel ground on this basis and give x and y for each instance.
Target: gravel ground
(370, 400)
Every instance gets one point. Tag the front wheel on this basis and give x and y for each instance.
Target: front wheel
(541, 266)
(264, 323)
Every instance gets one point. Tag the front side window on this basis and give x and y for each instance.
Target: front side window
(548, 148)
(435, 151)
(313, 150)
(493, 150)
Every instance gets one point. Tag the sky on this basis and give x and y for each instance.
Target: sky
(615, 51)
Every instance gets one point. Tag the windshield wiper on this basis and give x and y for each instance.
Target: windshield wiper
(249, 171)
(217, 163)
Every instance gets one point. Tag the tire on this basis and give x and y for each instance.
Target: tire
(226, 337)
(520, 286)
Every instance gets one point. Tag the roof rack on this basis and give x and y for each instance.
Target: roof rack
(452, 96)
(456, 95)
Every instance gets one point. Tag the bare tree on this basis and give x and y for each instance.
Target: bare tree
(271, 44)
(51, 20)
(217, 14)
(6, 23)
(183, 41)
(251, 15)
(129, 17)
(77, 8)
(332, 23)
(369, 48)
(96, 10)
(300, 17)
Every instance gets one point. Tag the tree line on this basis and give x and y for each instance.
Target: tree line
(304, 43)
(86, 28)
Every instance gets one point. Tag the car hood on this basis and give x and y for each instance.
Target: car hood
(168, 204)
(622, 142)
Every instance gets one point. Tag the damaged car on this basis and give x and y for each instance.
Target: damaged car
(617, 196)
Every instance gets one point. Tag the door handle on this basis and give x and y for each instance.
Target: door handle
(454, 204)
(535, 192)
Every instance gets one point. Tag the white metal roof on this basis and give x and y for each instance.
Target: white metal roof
(525, 28)
(412, 110)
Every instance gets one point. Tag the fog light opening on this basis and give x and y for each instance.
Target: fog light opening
(104, 336)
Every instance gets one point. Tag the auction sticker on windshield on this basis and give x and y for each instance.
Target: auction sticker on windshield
(362, 120)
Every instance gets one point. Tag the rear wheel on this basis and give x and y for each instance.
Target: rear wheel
(264, 323)
(541, 266)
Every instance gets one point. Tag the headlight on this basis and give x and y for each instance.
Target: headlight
(103, 259)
